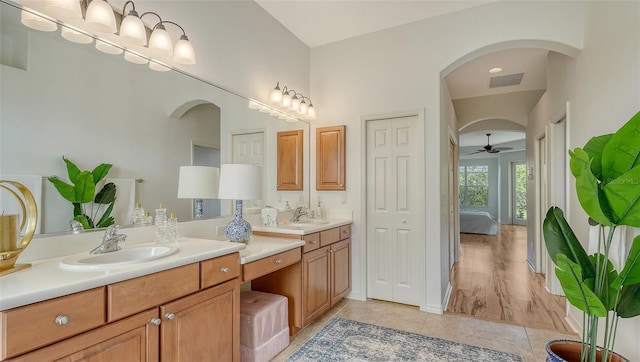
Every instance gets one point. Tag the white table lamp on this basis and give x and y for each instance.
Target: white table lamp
(198, 182)
(240, 182)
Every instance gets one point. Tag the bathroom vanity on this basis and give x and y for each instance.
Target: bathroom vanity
(182, 307)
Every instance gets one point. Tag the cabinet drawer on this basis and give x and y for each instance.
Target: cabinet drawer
(345, 232)
(329, 236)
(270, 264)
(311, 242)
(218, 270)
(136, 295)
(32, 326)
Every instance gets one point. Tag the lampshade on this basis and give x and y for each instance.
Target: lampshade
(100, 17)
(73, 35)
(160, 44)
(198, 182)
(240, 182)
(108, 47)
(276, 95)
(64, 9)
(37, 21)
(132, 30)
(183, 52)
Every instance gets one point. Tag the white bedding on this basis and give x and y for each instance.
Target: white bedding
(478, 222)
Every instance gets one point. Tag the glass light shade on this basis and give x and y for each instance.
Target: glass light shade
(132, 30)
(295, 103)
(240, 182)
(276, 96)
(107, 47)
(37, 21)
(100, 17)
(159, 66)
(290, 119)
(273, 112)
(311, 112)
(160, 44)
(303, 107)
(75, 36)
(198, 182)
(286, 100)
(135, 58)
(183, 52)
(64, 9)
(253, 104)
(264, 109)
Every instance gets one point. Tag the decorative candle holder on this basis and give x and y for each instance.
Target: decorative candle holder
(10, 247)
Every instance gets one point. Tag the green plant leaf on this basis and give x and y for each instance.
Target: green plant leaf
(577, 292)
(631, 272)
(622, 152)
(65, 190)
(629, 305)
(77, 209)
(587, 186)
(561, 240)
(83, 220)
(72, 170)
(593, 148)
(101, 172)
(84, 187)
(623, 197)
(107, 194)
(612, 282)
(106, 218)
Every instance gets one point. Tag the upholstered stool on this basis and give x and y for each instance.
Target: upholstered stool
(264, 325)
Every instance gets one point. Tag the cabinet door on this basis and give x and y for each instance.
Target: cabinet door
(330, 158)
(202, 327)
(316, 282)
(340, 269)
(131, 339)
(290, 160)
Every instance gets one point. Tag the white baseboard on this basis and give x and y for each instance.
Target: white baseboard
(447, 295)
(574, 323)
(531, 266)
(433, 308)
(356, 296)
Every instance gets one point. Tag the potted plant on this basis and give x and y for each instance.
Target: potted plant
(87, 204)
(607, 174)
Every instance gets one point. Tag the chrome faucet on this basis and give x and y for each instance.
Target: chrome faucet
(110, 240)
(299, 211)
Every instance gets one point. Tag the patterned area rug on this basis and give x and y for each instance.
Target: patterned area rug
(347, 340)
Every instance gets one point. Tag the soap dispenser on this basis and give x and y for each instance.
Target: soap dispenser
(320, 211)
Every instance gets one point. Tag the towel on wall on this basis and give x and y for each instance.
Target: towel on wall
(125, 200)
(9, 205)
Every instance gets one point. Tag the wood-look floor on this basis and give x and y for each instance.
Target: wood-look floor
(492, 281)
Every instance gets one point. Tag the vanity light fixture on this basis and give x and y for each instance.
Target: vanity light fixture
(37, 21)
(74, 35)
(158, 66)
(100, 17)
(64, 9)
(292, 100)
(132, 30)
(135, 57)
(108, 47)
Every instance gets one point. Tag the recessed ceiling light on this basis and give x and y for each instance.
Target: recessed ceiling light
(495, 70)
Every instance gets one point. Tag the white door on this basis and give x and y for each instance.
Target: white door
(249, 148)
(519, 193)
(395, 236)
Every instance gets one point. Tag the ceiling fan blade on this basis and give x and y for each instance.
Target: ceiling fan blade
(503, 148)
(495, 150)
(473, 153)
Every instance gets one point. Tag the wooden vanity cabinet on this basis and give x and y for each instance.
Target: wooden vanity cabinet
(330, 158)
(191, 313)
(289, 163)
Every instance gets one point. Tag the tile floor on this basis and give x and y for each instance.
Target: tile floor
(524, 341)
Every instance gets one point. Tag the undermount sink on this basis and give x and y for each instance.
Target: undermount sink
(122, 257)
(308, 222)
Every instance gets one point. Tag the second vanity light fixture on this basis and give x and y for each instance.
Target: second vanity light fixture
(100, 18)
(293, 101)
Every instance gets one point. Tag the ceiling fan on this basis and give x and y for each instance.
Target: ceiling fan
(490, 149)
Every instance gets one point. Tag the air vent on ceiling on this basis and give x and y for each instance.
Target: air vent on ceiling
(505, 80)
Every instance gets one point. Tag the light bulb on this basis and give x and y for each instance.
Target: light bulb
(37, 21)
(183, 52)
(160, 44)
(100, 17)
(132, 30)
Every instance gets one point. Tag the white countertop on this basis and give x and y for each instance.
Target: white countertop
(302, 228)
(263, 246)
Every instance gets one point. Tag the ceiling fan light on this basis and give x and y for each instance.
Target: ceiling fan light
(183, 52)
(37, 21)
(132, 30)
(100, 17)
(160, 44)
(74, 35)
(64, 9)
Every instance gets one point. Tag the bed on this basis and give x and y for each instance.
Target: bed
(478, 222)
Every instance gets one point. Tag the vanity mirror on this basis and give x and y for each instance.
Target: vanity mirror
(66, 99)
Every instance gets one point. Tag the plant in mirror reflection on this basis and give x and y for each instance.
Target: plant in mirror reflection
(87, 204)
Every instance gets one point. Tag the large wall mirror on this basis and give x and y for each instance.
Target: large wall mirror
(65, 99)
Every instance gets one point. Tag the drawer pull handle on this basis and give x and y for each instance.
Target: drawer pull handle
(313, 242)
(156, 321)
(170, 316)
(278, 261)
(62, 319)
(224, 269)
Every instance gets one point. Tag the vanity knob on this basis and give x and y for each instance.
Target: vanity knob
(341, 185)
(156, 321)
(170, 316)
(313, 242)
(278, 261)
(224, 269)
(62, 320)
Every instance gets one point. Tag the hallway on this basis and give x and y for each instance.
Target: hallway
(493, 282)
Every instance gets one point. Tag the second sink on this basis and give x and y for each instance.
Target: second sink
(126, 256)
